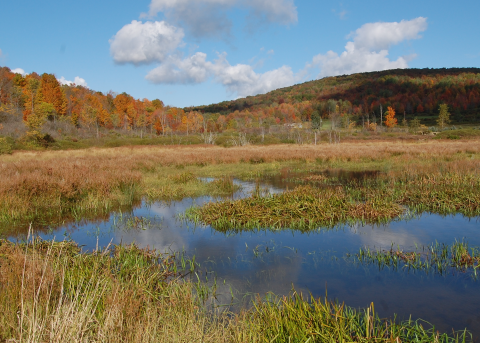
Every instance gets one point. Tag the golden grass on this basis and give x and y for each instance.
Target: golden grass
(147, 156)
(77, 183)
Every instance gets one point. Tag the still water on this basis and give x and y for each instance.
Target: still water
(275, 261)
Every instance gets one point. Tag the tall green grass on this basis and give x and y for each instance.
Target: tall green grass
(297, 319)
(52, 292)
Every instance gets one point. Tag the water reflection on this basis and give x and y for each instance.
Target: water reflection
(259, 262)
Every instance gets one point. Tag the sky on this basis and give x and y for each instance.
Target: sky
(198, 52)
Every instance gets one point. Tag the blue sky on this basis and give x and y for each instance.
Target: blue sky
(194, 52)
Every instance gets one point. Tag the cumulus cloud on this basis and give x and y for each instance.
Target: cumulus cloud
(381, 36)
(356, 61)
(19, 71)
(191, 70)
(144, 43)
(209, 17)
(369, 49)
(1, 53)
(78, 81)
(240, 79)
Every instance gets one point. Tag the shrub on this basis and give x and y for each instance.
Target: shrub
(5, 146)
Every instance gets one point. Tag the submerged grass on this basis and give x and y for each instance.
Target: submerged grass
(52, 292)
(437, 258)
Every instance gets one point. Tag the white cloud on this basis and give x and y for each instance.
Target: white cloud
(19, 71)
(194, 69)
(240, 79)
(369, 49)
(209, 17)
(356, 61)
(381, 36)
(1, 53)
(143, 43)
(78, 81)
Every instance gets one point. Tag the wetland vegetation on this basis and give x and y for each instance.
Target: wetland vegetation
(55, 291)
(437, 258)
(50, 291)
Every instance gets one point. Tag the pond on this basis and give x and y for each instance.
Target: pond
(258, 262)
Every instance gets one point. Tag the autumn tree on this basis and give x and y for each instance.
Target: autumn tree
(50, 92)
(316, 123)
(93, 113)
(37, 118)
(123, 108)
(30, 91)
(390, 120)
(443, 116)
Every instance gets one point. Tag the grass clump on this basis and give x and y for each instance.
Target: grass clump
(43, 191)
(223, 186)
(183, 178)
(434, 192)
(371, 200)
(296, 319)
(436, 258)
(304, 208)
(52, 292)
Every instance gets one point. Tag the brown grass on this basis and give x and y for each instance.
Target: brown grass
(50, 292)
(148, 156)
(58, 184)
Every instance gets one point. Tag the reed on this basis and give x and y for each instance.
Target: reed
(295, 318)
(52, 292)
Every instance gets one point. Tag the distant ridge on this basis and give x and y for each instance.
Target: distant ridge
(408, 90)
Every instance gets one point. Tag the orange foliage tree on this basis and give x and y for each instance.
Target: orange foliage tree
(50, 92)
(390, 120)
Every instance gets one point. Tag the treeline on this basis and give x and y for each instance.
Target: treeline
(33, 105)
(411, 92)
(35, 100)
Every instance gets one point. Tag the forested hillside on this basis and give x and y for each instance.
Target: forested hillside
(413, 92)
